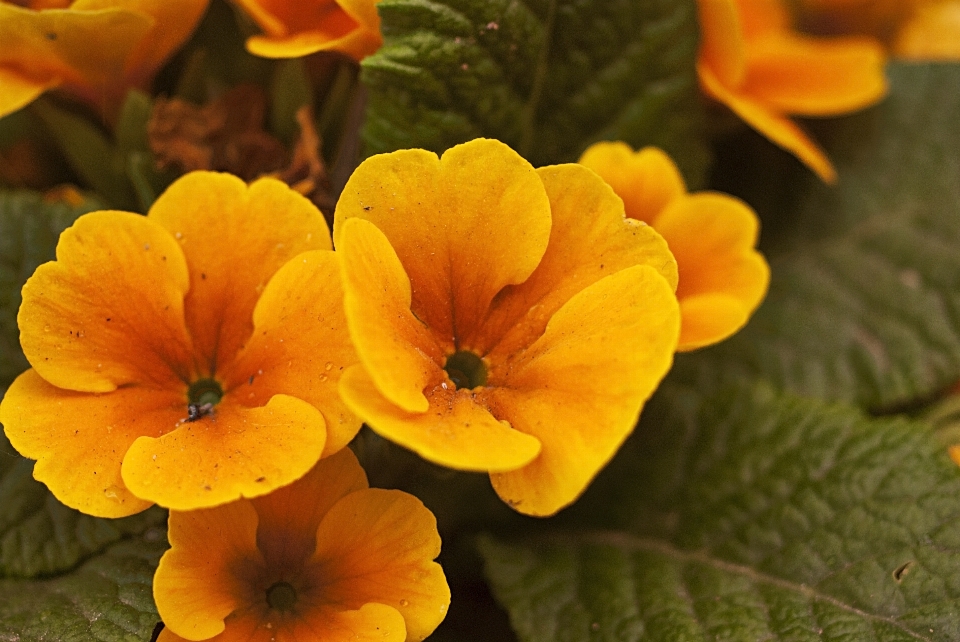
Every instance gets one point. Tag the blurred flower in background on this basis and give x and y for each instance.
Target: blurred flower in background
(94, 50)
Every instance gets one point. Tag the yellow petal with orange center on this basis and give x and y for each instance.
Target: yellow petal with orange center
(290, 516)
(589, 240)
(722, 45)
(387, 559)
(463, 226)
(579, 389)
(85, 50)
(109, 310)
(777, 128)
(300, 344)
(235, 452)
(646, 180)
(455, 430)
(401, 354)
(722, 277)
(201, 579)
(235, 238)
(809, 76)
(79, 439)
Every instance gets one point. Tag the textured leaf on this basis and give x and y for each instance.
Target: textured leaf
(29, 229)
(864, 304)
(750, 517)
(108, 599)
(41, 536)
(548, 77)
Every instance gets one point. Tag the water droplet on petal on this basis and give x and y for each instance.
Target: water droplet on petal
(111, 492)
(323, 377)
(329, 366)
(46, 328)
(404, 603)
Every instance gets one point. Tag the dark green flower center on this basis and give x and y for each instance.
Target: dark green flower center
(281, 596)
(202, 396)
(466, 370)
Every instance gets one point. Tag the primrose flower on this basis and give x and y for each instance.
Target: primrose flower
(722, 277)
(754, 63)
(507, 319)
(295, 28)
(183, 358)
(325, 558)
(93, 49)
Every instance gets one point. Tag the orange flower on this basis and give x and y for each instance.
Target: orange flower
(94, 49)
(754, 63)
(325, 558)
(722, 277)
(507, 319)
(294, 28)
(174, 360)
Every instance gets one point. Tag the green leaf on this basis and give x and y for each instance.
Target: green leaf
(289, 91)
(29, 229)
(108, 599)
(864, 304)
(41, 536)
(548, 77)
(749, 516)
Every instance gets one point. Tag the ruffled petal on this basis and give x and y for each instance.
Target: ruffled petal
(206, 574)
(779, 129)
(589, 240)
(235, 452)
(808, 76)
(722, 46)
(378, 546)
(722, 277)
(580, 387)
(300, 344)
(79, 439)
(455, 430)
(109, 311)
(463, 226)
(646, 180)
(289, 516)
(401, 355)
(235, 239)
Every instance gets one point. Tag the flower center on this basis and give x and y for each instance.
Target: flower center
(281, 596)
(202, 396)
(466, 369)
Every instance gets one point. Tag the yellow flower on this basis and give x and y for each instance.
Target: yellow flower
(753, 62)
(325, 558)
(722, 277)
(294, 28)
(507, 319)
(93, 49)
(183, 358)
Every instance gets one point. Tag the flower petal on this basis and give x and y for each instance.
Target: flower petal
(19, 90)
(370, 623)
(722, 277)
(378, 546)
(762, 17)
(463, 226)
(580, 387)
(79, 439)
(400, 353)
(236, 452)
(289, 516)
(646, 180)
(85, 50)
(300, 344)
(722, 46)
(933, 33)
(109, 310)
(234, 239)
(202, 578)
(779, 129)
(455, 431)
(589, 240)
(809, 76)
